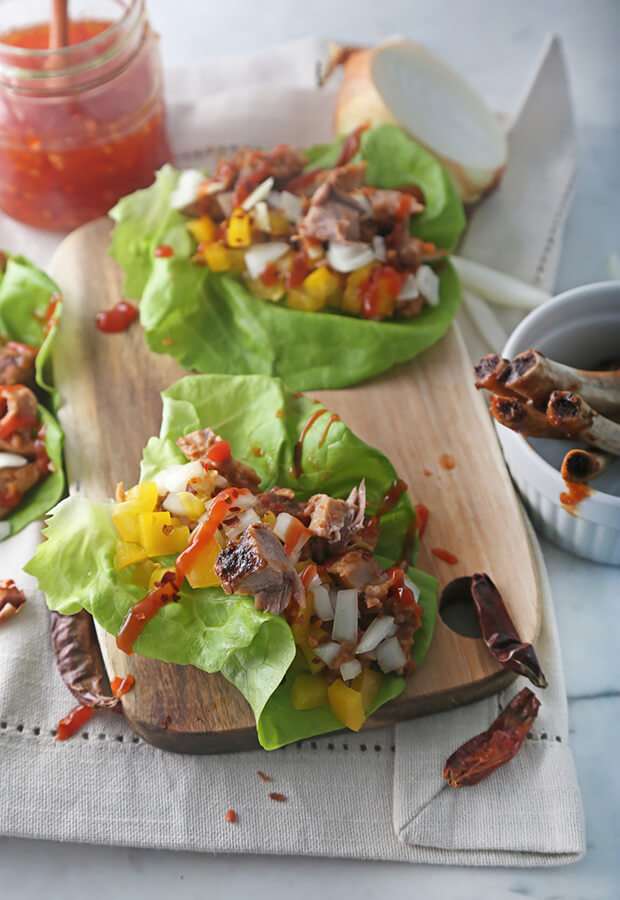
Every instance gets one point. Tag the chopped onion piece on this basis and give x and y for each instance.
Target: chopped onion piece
(225, 199)
(173, 505)
(259, 193)
(186, 191)
(174, 479)
(321, 604)
(349, 257)
(350, 670)
(409, 290)
(292, 206)
(5, 530)
(345, 617)
(245, 500)
(273, 200)
(261, 217)
(12, 460)
(258, 257)
(327, 652)
(282, 525)
(376, 632)
(498, 288)
(486, 322)
(244, 519)
(390, 655)
(415, 590)
(378, 246)
(428, 284)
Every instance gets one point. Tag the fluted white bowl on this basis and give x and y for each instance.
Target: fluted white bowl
(580, 328)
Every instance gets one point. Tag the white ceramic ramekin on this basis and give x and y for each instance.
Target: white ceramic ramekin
(580, 328)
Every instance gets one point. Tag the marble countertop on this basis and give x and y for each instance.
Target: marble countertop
(496, 45)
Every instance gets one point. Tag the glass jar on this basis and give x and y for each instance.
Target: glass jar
(83, 125)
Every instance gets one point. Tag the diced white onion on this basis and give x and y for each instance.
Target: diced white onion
(261, 217)
(409, 290)
(282, 525)
(327, 652)
(376, 632)
(273, 200)
(350, 670)
(173, 505)
(291, 206)
(345, 617)
(428, 284)
(349, 257)
(321, 604)
(378, 246)
(415, 590)
(225, 199)
(498, 288)
(12, 460)
(259, 256)
(174, 479)
(390, 655)
(245, 518)
(186, 190)
(314, 251)
(5, 530)
(244, 500)
(259, 193)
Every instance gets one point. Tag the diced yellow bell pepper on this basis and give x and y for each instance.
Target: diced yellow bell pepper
(157, 574)
(141, 498)
(309, 691)
(203, 229)
(269, 519)
(128, 553)
(203, 573)
(367, 683)
(314, 663)
(143, 495)
(346, 704)
(359, 276)
(298, 298)
(351, 299)
(280, 225)
(159, 536)
(217, 256)
(192, 505)
(300, 626)
(142, 573)
(239, 231)
(272, 292)
(322, 283)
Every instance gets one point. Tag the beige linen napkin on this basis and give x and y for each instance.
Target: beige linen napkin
(374, 795)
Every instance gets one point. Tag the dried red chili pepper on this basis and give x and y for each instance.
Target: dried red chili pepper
(280, 798)
(78, 658)
(231, 816)
(477, 758)
(262, 775)
(499, 632)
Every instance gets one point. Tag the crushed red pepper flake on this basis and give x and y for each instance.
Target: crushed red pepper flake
(263, 776)
(231, 816)
(279, 798)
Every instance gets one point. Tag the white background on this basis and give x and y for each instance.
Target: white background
(495, 42)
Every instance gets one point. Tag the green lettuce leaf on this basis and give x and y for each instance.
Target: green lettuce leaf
(25, 293)
(76, 565)
(43, 496)
(211, 322)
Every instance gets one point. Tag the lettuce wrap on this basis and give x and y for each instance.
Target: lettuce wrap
(254, 650)
(211, 322)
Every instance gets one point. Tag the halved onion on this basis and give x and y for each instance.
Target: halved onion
(377, 631)
(186, 190)
(428, 284)
(403, 83)
(498, 288)
(390, 655)
(259, 193)
(327, 652)
(345, 617)
(258, 257)
(350, 670)
(349, 257)
(321, 605)
(174, 479)
(12, 460)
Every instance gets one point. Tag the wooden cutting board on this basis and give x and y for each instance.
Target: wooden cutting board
(415, 413)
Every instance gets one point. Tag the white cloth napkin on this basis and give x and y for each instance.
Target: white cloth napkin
(374, 795)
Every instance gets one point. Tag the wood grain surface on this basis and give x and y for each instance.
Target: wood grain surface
(415, 413)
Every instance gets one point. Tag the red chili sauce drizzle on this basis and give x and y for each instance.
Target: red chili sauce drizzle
(333, 418)
(119, 318)
(392, 496)
(68, 726)
(120, 686)
(299, 446)
(573, 495)
(446, 461)
(163, 251)
(445, 555)
(422, 513)
(144, 610)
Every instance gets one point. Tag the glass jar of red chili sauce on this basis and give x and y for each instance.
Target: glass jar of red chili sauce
(82, 125)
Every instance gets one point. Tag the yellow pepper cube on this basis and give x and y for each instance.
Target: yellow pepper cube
(142, 573)
(203, 573)
(273, 292)
(157, 533)
(192, 505)
(157, 574)
(203, 229)
(239, 231)
(301, 624)
(128, 553)
(367, 683)
(346, 704)
(298, 298)
(309, 691)
(181, 538)
(280, 225)
(314, 663)
(125, 517)
(269, 519)
(143, 496)
(322, 283)
(217, 257)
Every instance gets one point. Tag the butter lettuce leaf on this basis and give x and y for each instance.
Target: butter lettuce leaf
(211, 322)
(76, 565)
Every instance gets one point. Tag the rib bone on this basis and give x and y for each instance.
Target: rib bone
(582, 466)
(570, 414)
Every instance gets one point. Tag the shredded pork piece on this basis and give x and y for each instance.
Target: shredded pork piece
(197, 445)
(356, 569)
(11, 599)
(17, 363)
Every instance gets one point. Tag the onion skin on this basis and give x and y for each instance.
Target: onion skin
(358, 101)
